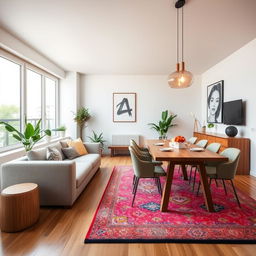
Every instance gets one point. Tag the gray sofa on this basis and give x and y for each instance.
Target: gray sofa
(60, 182)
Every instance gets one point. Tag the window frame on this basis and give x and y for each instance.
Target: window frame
(24, 65)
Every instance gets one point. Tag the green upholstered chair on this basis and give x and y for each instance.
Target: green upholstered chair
(213, 147)
(202, 143)
(143, 153)
(192, 140)
(226, 170)
(145, 169)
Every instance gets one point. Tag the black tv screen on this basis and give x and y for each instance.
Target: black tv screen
(233, 112)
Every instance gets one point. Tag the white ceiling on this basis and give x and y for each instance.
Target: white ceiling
(129, 36)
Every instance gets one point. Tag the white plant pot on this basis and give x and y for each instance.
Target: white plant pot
(48, 138)
(62, 133)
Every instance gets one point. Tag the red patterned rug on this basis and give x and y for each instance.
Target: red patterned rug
(115, 221)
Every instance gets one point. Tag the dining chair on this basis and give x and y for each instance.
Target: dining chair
(213, 147)
(145, 169)
(134, 144)
(192, 140)
(225, 171)
(202, 143)
(143, 153)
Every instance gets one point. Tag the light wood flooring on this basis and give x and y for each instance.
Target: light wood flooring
(61, 231)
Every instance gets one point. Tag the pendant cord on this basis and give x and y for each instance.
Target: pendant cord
(177, 28)
(182, 35)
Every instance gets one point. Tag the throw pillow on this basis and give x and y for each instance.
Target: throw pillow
(64, 143)
(79, 146)
(53, 154)
(39, 154)
(70, 153)
(58, 146)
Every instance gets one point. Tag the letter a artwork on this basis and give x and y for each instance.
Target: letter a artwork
(123, 107)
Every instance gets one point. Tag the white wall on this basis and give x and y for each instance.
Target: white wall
(69, 101)
(17, 47)
(239, 74)
(153, 96)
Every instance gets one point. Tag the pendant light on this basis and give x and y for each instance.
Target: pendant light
(181, 78)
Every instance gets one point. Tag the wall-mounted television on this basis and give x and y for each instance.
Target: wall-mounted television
(233, 113)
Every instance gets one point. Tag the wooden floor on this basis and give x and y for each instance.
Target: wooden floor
(62, 231)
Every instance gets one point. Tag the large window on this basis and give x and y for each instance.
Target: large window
(10, 81)
(34, 96)
(25, 92)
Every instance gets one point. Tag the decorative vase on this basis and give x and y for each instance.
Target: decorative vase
(203, 129)
(231, 131)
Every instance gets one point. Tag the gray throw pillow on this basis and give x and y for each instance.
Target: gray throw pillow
(64, 143)
(53, 154)
(70, 153)
(39, 154)
(58, 146)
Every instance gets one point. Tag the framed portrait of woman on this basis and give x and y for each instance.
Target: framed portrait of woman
(215, 102)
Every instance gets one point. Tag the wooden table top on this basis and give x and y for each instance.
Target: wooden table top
(183, 155)
(19, 188)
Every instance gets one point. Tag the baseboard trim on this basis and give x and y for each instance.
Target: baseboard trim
(253, 173)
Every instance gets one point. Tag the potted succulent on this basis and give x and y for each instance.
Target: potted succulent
(210, 126)
(164, 124)
(81, 116)
(62, 130)
(98, 138)
(32, 134)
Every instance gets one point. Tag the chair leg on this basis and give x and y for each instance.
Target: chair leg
(217, 185)
(235, 193)
(194, 181)
(210, 182)
(135, 189)
(135, 179)
(190, 175)
(198, 188)
(224, 185)
(159, 185)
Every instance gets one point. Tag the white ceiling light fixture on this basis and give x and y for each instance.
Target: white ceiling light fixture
(180, 78)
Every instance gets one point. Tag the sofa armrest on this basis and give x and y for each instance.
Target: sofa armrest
(56, 179)
(92, 147)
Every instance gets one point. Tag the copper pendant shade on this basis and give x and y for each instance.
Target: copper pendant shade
(181, 78)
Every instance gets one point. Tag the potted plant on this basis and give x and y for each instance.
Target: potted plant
(210, 125)
(62, 130)
(164, 124)
(98, 138)
(32, 134)
(81, 116)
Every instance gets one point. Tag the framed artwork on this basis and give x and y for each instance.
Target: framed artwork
(124, 107)
(215, 102)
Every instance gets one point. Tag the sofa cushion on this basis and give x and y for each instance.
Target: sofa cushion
(58, 146)
(70, 153)
(79, 146)
(82, 171)
(54, 154)
(90, 158)
(39, 154)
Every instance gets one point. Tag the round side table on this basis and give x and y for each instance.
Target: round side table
(19, 207)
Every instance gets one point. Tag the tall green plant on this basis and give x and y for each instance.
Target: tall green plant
(164, 124)
(81, 116)
(32, 134)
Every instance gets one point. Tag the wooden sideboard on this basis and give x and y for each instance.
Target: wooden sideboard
(228, 142)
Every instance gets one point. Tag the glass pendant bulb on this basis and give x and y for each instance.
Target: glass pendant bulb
(180, 78)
